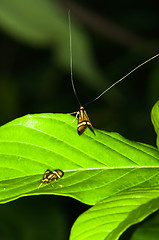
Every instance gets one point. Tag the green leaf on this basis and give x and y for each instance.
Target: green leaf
(155, 120)
(111, 217)
(95, 166)
(148, 229)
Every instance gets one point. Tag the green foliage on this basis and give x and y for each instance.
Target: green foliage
(155, 120)
(148, 229)
(95, 167)
(111, 217)
(118, 176)
(47, 26)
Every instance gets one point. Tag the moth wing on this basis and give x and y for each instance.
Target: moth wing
(81, 116)
(84, 122)
(85, 116)
(81, 128)
(89, 124)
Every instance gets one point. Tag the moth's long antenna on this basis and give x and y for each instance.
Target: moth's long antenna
(73, 86)
(121, 79)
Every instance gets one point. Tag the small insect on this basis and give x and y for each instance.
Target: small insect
(83, 119)
(51, 175)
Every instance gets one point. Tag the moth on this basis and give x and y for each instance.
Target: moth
(51, 175)
(83, 119)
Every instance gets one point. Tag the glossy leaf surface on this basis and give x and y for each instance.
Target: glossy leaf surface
(95, 167)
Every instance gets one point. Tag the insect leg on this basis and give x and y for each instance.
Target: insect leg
(77, 113)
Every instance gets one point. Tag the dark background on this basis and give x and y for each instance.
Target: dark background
(34, 79)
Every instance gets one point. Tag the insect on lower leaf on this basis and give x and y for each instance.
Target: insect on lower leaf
(51, 175)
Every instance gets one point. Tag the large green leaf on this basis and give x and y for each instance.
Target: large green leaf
(95, 166)
(155, 120)
(111, 217)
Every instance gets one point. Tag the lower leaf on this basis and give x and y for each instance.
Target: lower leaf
(110, 218)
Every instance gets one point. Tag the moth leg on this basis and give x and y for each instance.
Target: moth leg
(40, 185)
(52, 184)
(72, 113)
(77, 113)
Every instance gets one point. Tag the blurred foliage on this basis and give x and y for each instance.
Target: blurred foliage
(35, 72)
